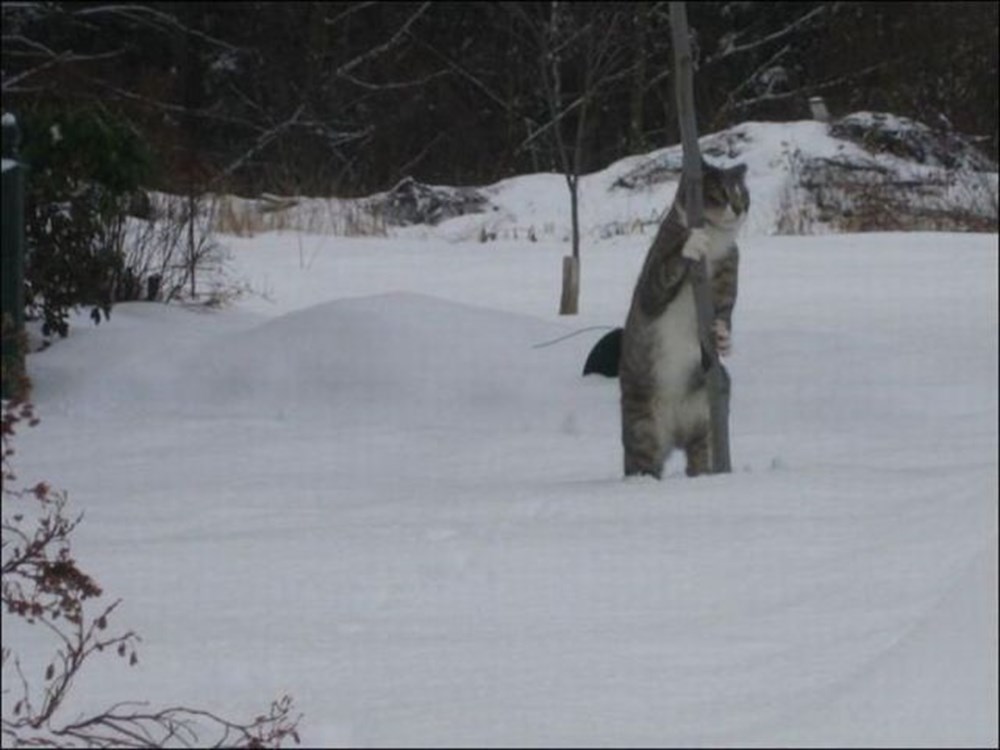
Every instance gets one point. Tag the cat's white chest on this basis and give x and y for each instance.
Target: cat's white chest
(713, 243)
(675, 343)
(677, 353)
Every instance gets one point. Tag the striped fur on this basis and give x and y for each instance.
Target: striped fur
(664, 403)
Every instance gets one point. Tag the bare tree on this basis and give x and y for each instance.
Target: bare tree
(580, 54)
(453, 91)
(229, 96)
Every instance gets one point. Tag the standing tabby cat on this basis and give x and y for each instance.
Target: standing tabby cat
(662, 371)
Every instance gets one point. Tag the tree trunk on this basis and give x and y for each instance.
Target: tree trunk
(193, 98)
(574, 214)
(569, 304)
(192, 250)
(717, 381)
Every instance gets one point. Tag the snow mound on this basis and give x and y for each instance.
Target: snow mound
(412, 202)
(726, 147)
(396, 358)
(407, 357)
(868, 171)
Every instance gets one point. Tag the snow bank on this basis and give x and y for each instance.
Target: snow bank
(867, 171)
(410, 359)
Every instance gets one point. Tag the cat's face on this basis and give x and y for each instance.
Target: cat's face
(726, 197)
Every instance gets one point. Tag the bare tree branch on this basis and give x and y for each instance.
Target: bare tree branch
(420, 156)
(806, 90)
(395, 39)
(794, 26)
(391, 85)
(752, 78)
(460, 70)
(9, 85)
(349, 12)
(152, 17)
(278, 130)
(174, 108)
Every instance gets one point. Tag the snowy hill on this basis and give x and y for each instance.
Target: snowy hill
(864, 172)
(379, 483)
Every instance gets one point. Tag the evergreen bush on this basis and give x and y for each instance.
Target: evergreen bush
(85, 168)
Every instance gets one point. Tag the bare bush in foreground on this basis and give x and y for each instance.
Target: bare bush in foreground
(42, 586)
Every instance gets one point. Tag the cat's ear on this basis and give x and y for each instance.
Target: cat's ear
(709, 170)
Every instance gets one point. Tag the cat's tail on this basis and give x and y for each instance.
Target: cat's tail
(571, 335)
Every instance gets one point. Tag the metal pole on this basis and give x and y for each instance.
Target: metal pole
(717, 382)
(12, 252)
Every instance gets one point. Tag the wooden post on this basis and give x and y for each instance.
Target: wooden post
(568, 305)
(717, 382)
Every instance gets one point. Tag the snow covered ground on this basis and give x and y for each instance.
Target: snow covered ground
(367, 485)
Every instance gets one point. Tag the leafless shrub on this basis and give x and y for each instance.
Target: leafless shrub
(43, 586)
(363, 219)
(164, 253)
(622, 228)
(795, 214)
(848, 196)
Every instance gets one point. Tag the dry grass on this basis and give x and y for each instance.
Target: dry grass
(344, 218)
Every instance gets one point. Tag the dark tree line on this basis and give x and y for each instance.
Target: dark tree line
(347, 98)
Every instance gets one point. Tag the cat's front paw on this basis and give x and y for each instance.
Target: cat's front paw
(723, 338)
(697, 245)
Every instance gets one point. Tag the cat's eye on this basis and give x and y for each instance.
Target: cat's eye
(737, 199)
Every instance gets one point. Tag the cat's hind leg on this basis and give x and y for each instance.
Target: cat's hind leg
(643, 439)
(698, 450)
